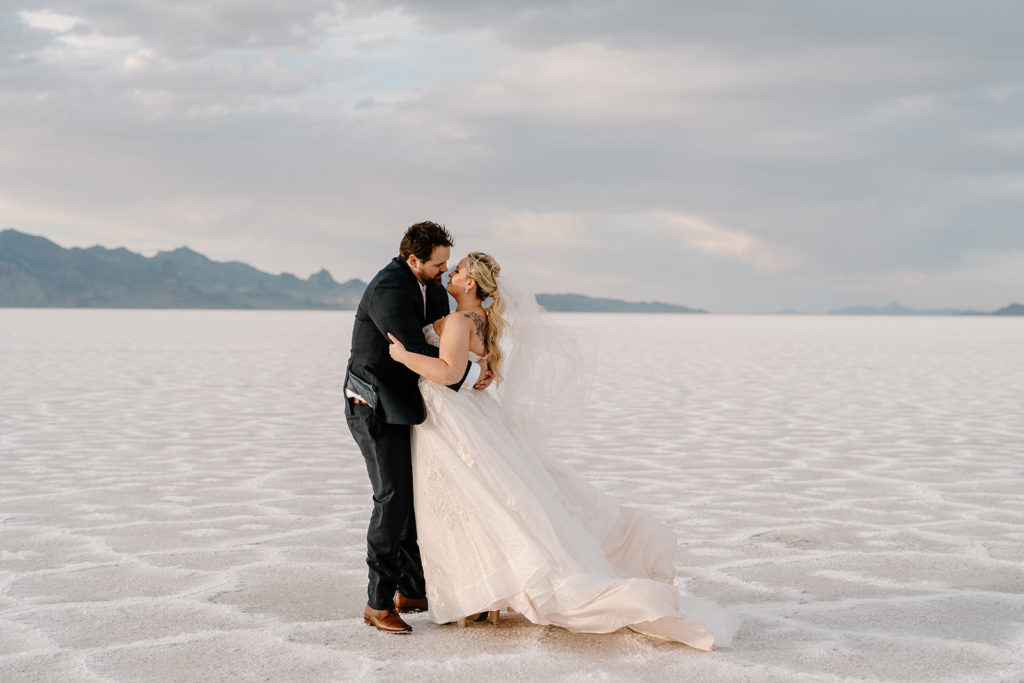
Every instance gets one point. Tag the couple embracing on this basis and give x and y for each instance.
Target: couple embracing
(471, 513)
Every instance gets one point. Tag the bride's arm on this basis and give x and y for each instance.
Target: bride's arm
(450, 366)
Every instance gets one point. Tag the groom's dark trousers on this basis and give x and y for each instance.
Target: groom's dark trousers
(392, 302)
(391, 550)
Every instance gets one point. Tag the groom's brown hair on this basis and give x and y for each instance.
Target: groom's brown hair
(420, 240)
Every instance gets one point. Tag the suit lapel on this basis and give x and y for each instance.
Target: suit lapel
(413, 285)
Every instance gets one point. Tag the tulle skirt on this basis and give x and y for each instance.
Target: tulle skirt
(501, 524)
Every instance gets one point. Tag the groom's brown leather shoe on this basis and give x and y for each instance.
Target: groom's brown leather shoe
(404, 605)
(386, 620)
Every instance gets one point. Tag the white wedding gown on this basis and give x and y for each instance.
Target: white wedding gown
(501, 524)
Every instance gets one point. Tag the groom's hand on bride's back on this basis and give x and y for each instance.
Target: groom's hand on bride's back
(486, 376)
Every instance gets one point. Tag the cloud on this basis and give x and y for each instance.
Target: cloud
(718, 241)
(192, 29)
(590, 83)
(748, 157)
(49, 21)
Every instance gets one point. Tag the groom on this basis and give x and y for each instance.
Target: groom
(382, 402)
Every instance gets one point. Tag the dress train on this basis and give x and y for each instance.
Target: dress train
(502, 525)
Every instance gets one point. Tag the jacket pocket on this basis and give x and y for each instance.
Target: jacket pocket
(364, 389)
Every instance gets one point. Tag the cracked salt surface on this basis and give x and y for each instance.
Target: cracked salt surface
(180, 499)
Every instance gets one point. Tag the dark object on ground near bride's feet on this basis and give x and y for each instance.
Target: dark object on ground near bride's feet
(386, 620)
(404, 605)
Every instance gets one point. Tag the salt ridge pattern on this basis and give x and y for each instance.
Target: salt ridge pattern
(180, 499)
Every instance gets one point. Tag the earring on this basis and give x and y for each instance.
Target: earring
(467, 290)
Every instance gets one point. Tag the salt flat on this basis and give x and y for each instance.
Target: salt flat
(180, 499)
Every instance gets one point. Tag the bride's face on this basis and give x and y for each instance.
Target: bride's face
(458, 281)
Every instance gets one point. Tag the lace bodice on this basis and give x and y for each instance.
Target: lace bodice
(434, 339)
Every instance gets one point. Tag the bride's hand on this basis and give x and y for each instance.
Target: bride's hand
(486, 376)
(397, 349)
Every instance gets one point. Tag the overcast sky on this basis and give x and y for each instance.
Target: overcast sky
(721, 155)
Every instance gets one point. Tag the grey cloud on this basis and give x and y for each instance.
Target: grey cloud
(196, 28)
(746, 25)
(16, 43)
(857, 136)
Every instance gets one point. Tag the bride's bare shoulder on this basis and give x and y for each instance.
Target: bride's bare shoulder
(454, 316)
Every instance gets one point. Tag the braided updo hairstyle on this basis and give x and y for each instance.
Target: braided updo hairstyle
(484, 270)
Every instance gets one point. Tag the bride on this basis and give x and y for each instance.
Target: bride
(501, 523)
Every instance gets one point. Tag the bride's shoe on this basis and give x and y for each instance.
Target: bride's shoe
(494, 616)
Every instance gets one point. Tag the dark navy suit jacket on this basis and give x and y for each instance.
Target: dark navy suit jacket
(393, 303)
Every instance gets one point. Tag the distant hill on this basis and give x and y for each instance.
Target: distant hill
(1012, 309)
(579, 303)
(897, 309)
(35, 272)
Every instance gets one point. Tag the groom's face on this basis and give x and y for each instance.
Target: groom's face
(429, 272)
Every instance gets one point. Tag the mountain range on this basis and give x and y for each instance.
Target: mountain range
(898, 309)
(36, 272)
(578, 303)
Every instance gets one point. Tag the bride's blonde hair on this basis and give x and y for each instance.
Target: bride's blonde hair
(484, 271)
